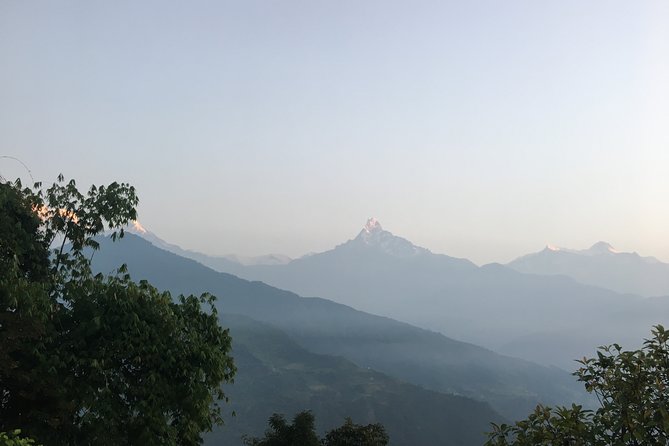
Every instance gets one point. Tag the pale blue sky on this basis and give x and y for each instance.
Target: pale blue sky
(481, 129)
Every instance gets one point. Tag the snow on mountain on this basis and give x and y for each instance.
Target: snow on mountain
(216, 262)
(373, 235)
(600, 265)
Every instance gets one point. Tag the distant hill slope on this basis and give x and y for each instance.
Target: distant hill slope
(601, 265)
(276, 375)
(415, 355)
(547, 319)
(224, 262)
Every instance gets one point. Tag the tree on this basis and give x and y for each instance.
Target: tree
(15, 439)
(350, 434)
(87, 358)
(633, 391)
(302, 433)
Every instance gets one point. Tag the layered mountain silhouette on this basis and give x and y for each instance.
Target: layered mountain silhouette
(421, 357)
(547, 319)
(601, 265)
(275, 374)
(224, 262)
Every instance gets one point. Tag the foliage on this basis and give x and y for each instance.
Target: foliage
(87, 358)
(299, 433)
(14, 438)
(350, 434)
(276, 372)
(302, 433)
(632, 388)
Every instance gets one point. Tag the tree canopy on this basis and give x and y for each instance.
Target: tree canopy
(632, 388)
(91, 358)
(301, 432)
(14, 438)
(351, 434)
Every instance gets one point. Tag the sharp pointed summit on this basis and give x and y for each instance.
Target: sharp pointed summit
(372, 225)
(372, 229)
(373, 235)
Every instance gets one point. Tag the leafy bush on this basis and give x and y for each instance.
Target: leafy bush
(633, 391)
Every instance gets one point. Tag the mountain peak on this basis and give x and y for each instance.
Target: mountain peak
(372, 225)
(602, 248)
(372, 232)
(596, 249)
(373, 235)
(137, 226)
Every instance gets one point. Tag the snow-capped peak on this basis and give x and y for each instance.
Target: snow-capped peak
(372, 225)
(596, 249)
(137, 226)
(373, 235)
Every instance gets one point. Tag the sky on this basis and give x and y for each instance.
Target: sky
(478, 129)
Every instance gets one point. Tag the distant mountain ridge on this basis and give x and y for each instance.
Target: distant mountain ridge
(229, 261)
(546, 318)
(550, 319)
(600, 265)
(411, 354)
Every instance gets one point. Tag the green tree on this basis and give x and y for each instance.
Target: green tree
(350, 434)
(87, 358)
(15, 439)
(302, 433)
(633, 391)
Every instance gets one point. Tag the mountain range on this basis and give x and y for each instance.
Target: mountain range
(601, 265)
(407, 353)
(550, 319)
(227, 261)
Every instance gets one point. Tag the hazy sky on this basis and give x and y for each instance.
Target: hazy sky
(480, 129)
